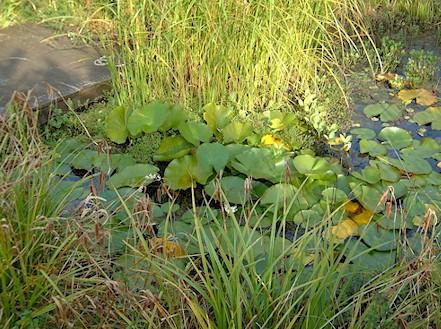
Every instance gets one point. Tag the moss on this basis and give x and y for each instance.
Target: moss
(68, 123)
(143, 147)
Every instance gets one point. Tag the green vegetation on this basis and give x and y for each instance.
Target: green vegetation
(421, 67)
(120, 259)
(220, 185)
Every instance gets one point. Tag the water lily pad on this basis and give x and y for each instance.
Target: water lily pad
(148, 118)
(394, 222)
(379, 238)
(368, 196)
(369, 174)
(279, 120)
(397, 138)
(366, 258)
(236, 132)
(309, 165)
(308, 218)
(433, 178)
(387, 172)
(116, 128)
(422, 96)
(279, 194)
(236, 149)
(409, 163)
(195, 132)
(352, 207)
(166, 247)
(372, 147)
(400, 188)
(117, 162)
(424, 148)
(217, 117)
(233, 188)
(363, 133)
(333, 195)
(182, 173)
(172, 148)
(387, 112)
(134, 176)
(176, 116)
(213, 154)
(260, 163)
(85, 160)
(431, 115)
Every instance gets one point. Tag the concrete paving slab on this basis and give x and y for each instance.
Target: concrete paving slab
(46, 69)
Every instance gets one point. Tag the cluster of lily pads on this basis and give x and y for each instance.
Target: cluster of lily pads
(259, 181)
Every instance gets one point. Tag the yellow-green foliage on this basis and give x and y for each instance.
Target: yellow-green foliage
(254, 54)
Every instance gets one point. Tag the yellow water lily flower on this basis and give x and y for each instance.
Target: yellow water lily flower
(363, 218)
(272, 140)
(166, 247)
(345, 229)
(352, 207)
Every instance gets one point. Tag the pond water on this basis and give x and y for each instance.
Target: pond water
(366, 91)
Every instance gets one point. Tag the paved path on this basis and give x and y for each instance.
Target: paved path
(50, 69)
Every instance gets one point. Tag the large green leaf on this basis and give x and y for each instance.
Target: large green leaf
(363, 133)
(367, 258)
(372, 147)
(387, 172)
(308, 218)
(260, 163)
(236, 132)
(310, 165)
(387, 112)
(233, 188)
(368, 196)
(411, 164)
(369, 174)
(378, 238)
(395, 221)
(195, 132)
(431, 115)
(182, 173)
(215, 155)
(85, 160)
(236, 149)
(279, 194)
(172, 148)
(148, 118)
(116, 128)
(217, 117)
(278, 120)
(176, 116)
(397, 138)
(89, 159)
(117, 162)
(424, 148)
(134, 176)
(333, 195)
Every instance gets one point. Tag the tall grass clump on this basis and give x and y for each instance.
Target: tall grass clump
(44, 263)
(254, 54)
(239, 278)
